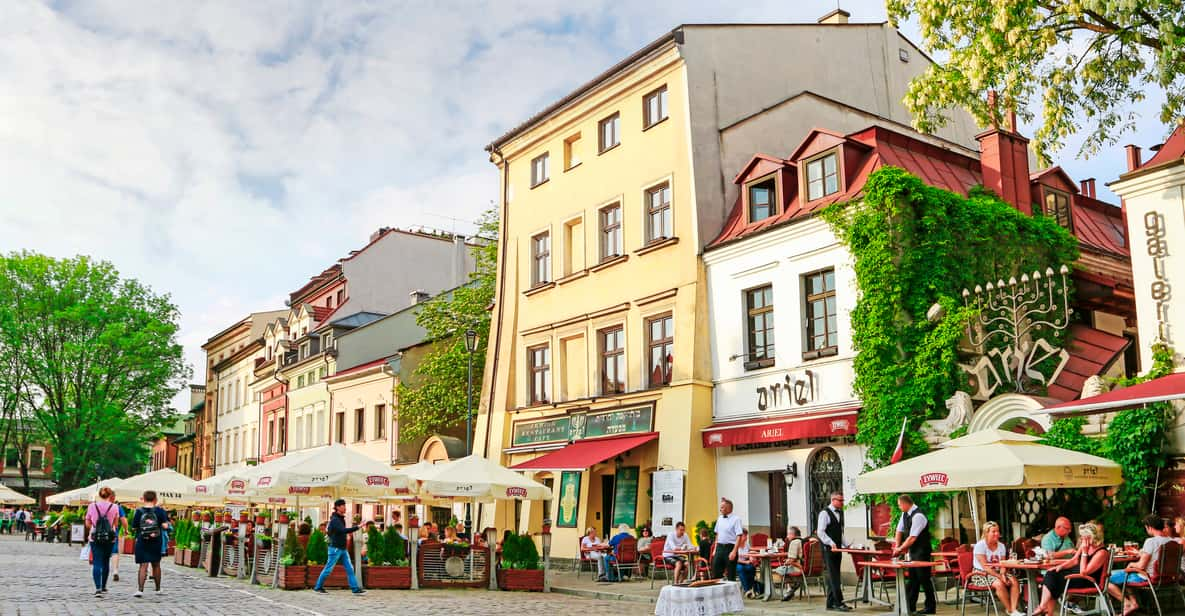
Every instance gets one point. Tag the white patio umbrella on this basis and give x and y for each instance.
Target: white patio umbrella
(83, 495)
(475, 477)
(8, 496)
(171, 487)
(332, 472)
(992, 460)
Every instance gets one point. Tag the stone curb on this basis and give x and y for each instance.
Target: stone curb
(617, 596)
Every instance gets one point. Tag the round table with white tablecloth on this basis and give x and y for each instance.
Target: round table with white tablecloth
(722, 598)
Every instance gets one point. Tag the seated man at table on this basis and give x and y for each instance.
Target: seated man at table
(1057, 542)
(679, 540)
(792, 564)
(609, 557)
(1143, 569)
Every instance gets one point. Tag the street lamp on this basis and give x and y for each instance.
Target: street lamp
(471, 346)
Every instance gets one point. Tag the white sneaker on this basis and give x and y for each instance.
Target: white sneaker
(158, 592)
(1017, 613)
(138, 593)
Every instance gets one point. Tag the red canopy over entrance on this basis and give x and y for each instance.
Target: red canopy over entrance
(1169, 387)
(583, 454)
(841, 422)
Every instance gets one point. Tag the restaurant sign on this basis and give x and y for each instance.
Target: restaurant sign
(576, 426)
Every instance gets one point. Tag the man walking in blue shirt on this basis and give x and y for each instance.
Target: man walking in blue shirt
(337, 531)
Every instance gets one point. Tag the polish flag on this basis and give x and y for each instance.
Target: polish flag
(900, 451)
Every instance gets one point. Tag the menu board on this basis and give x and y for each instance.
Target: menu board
(667, 507)
(625, 496)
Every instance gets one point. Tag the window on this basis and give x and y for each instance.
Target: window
(759, 304)
(341, 296)
(610, 132)
(822, 176)
(300, 381)
(820, 313)
(539, 169)
(36, 459)
(327, 341)
(12, 457)
(613, 361)
(321, 372)
(304, 349)
(329, 302)
(271, 436)
(658, 213)
(763, 200)
(1057, 206)
(235, 457)
(359, 425)
(283, 436)
(654, 107)
(611, 231)
(380, 421)
(571, 151)
(573, 246)
(341, 428)
(660, 342)
(541, 259)
(539, 362)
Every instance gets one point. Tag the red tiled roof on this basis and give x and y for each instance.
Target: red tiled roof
(1172, 149)
(875, 147)
(320, 313)
(1092, 351)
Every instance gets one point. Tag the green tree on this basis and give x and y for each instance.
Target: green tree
(1082, 61)
(436, 398)
(98, 356)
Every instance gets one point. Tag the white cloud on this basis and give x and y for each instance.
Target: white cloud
(223, 152)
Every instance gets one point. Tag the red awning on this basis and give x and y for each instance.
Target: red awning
(583, 454)
(1169, 387)
(840, 422)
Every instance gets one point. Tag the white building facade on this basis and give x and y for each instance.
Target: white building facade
(784, 418)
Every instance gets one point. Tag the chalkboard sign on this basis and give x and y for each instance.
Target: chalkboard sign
(625, 496)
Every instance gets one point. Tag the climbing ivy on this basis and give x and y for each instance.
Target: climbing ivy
(915, 245)
(1135, 439)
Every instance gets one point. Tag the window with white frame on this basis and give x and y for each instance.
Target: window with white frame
(654, 107)
(658, 213)
(660, 345)
(541, 259)
(610, 231)
(613, 360)
(539, 169)
(609, 131)
(820, 315)
(539, 371)
(822, 176)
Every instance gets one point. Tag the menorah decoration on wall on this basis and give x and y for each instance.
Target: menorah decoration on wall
(1009, 314)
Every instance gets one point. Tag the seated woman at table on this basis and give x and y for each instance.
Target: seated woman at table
(792, 564)
(450, 535)
(988, 554)
(645, 537)
(590, 546)
(1089, 559)
(747, 567)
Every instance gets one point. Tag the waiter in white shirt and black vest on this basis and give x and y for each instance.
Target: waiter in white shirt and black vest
(830, 532)
(728, 529)
(913, 538)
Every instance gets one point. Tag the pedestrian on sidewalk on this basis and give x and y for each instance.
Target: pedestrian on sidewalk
(123, 526)
(102, 530)
(149, 523)
(337, 531)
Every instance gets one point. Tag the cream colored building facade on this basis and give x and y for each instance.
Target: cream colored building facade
(598, 379)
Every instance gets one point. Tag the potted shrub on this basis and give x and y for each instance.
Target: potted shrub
(244, 515)
(317, 553)
(127, 539)
(262, 517)
(285, 517)
(387, 566)
(293, 564)
(192, 545)
(519, 569)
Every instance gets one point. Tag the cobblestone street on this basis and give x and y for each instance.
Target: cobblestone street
(40, 578)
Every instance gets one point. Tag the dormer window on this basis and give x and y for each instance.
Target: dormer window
(763, 199)
(1057, 207)
(822, 176)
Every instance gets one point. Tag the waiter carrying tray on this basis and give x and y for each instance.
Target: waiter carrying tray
(830, 532)
(914, 527)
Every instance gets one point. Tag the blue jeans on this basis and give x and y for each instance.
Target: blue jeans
(606, 561)
(101, 567)
(336, 554)
(1117, 578)
(747, 572)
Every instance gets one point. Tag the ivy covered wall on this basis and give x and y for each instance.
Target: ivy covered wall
(914, 245)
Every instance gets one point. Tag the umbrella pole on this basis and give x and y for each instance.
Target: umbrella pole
(974, 501)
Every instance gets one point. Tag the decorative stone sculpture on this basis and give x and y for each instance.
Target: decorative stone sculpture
(938, 431)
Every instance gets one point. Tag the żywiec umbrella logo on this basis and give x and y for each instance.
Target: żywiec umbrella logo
(516, 492)
(299, 490)
(933, 479)
(263, 482)
(238, 484)
(377, 480)
(840, 425)
(199, 489)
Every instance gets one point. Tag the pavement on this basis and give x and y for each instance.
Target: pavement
(43, 578)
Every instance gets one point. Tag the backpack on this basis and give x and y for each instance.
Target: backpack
(104, 533)
(149, 527)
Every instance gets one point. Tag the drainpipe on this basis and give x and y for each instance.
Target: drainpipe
(329, 411)
(386, 368)
(499, 299)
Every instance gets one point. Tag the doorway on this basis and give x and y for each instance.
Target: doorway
(777, 504)
(825, 476)
(607, 485)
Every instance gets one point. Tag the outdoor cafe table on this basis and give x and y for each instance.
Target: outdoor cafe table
(901, 609)
(865, 593)
(767, 576)
(1030, 568)
(690, 553)
(711, 600)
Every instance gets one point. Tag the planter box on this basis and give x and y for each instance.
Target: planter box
(292, 577)
(336, 579)
(177, 554)
(189, 558)
(127, 545)
(521, 579)
(171, 549)
(386, 577)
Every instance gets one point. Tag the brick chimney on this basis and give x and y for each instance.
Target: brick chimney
(1004, 159)
(1133, 156)
(1087, 187)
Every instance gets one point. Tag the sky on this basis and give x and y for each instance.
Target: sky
(224, 152)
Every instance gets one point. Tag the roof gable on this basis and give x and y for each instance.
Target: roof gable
(759, 165)
(816, 141)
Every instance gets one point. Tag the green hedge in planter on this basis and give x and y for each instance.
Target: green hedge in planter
(519, 552)
(318, 549)
(394, 548)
